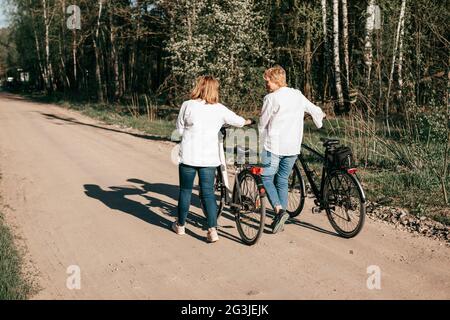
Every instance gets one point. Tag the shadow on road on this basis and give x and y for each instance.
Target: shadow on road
(171, 191)
(116, 199)
(74, 121)
(311, 227)
(294, 221)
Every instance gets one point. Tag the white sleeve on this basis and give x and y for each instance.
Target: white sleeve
(266, 114)
(181, 119)
(315, 112)
(232, 118)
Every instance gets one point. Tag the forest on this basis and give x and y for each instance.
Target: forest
(380, 69)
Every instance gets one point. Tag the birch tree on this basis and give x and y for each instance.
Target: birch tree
(48, 63)
(394, 57)
(400, 59)
(326, 45)
(345, 42)
(42, 67)
(336, 58)
(114, 57)
(62, 46)
(370, 26)
(97, 54)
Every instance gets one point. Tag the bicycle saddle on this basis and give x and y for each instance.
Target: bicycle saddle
(329, 142)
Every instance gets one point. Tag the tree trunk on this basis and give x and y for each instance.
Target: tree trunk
(62, 49)
(370, 26)
(447, 147)
(326, 48)
(74, 85)
(50, 79)
(394, 55)
(42, 68)
(97, 55)
(74, 59)
(135, 82)
(308, 56)
(345, 41)
(337, 67)
(114, 58)
(400, 64)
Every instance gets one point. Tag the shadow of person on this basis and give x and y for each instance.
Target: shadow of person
(172, 192)
(116, 200)
(168, 190)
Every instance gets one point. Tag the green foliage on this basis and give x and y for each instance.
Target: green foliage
(223, 38)
(162, 46)
(402, 166)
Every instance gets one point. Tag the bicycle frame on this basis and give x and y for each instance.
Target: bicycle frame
(226, 184)
(317, 190)
(223, 170)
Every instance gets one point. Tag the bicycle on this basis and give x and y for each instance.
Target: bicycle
(246, 199)
(339, 188)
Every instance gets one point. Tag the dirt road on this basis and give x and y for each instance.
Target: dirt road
(81, 193)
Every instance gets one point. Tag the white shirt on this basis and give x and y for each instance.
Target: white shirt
(281, 121)
(199, 124)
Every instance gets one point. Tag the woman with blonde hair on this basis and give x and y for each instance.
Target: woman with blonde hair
(199, 123)
(281, 132)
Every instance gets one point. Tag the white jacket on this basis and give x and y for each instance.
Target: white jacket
(199, 124)
(281, 121)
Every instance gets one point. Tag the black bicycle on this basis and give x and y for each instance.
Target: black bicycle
(246, 199)
(339, 191)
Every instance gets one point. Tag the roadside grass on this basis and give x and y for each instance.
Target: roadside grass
(13, 285)
(157, 127)
(397, 166)
(121, 115)
(396, 169)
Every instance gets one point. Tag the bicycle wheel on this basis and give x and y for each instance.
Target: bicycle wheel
(344, 203)
(296, 195)
(251, 214)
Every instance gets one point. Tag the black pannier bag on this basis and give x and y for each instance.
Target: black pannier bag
(341, 158)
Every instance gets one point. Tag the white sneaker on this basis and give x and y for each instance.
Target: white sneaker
(180, 230)
(212, 235)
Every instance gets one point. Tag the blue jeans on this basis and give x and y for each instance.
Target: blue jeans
(275, 177)
(207, 197)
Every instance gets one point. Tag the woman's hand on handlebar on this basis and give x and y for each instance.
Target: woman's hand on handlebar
(249, 122)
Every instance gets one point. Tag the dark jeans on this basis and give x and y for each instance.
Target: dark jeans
(207, 197)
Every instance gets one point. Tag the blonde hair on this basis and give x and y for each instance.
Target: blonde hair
(277, 75)
(206, 88)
